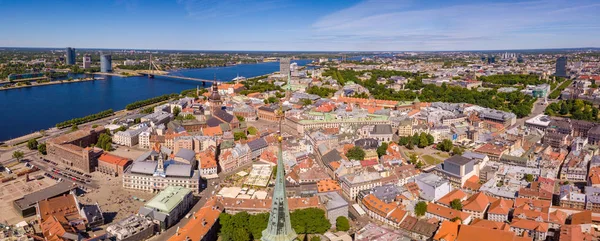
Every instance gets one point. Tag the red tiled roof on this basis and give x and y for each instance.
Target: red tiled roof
(446, 212)
(478, 202)
(113, 159)
(454, 194)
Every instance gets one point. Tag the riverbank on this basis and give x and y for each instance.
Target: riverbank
(56, 103)
(23, 80)
(48, 83)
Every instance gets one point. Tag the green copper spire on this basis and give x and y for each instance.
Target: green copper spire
(280, 226)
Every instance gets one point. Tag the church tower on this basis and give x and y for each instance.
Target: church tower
(214, 99)
(279, 227)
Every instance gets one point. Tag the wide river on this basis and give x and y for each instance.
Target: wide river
(27, 110)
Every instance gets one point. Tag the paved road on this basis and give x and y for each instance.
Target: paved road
(47, 167)
(538, 108)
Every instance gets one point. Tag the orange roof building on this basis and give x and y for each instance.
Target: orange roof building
(445, 213)
(112, 164)
(388, 213)
(478, 230)
(207, 162)
(53, 230)
(575, 233)
(448, 231)
(539, 230)
(328, 186)
(454, 194)
(477, 204)
(64, 208)
(212, 131)
(202, 225)
(594, 176)
(499, 210)
(475, 233)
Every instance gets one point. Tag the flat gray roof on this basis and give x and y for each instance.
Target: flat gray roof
(34, 197)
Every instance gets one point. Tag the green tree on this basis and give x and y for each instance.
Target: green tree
(104, 142)
(74, 127)
(257, 223)
(413, 158)
(18, 155)
(240, 118)
(306, 102)
(176, 111)
(241, 235)
(564, 109)
(410, 145)
(310, 221)
(529, 177)
(94, 125)
(456, 204)
(420, 208)
(320, 91)
(430, 139)
(457, 151)
(252, 130)
(356, 153)
(147, 110)
(382, 149)
(121, 128)
(419, 164)
(403, 141)
(226, 226)
(423, 142)
(315, 238)
(445, 145)
(416, 138)
(32, 144)
(239, 135)
(42, 148)
(342, 224)
(454, 219)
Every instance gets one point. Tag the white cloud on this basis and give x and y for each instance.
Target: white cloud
(405, 25)
(227, 8)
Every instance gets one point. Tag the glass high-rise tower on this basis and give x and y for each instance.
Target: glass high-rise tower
(561, 67)
(71, 56)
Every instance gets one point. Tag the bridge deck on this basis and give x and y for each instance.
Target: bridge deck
(181, 77)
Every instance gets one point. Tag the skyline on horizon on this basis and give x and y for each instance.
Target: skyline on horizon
(283, 25)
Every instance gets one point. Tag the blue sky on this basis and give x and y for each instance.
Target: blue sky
(326, 25)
